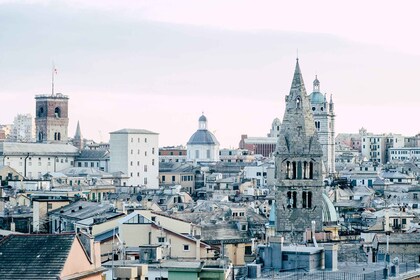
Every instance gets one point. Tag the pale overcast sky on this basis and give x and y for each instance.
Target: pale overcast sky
(158, 64)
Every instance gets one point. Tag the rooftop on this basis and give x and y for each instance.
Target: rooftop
(133, 131)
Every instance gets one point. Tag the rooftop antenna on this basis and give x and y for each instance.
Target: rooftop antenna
(53, 73)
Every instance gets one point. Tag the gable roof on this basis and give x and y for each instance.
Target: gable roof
(30, 256)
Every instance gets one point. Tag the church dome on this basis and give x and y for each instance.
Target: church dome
(317, 97)
(329, 215)
(203, 137)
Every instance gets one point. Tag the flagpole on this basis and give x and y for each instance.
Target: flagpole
(52, 79)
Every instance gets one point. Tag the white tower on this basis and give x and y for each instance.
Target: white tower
(324, 117)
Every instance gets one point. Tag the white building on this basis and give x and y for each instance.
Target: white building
(135, 153)
(404, 154)
(32, 160)
(22, 129)
(203, 145)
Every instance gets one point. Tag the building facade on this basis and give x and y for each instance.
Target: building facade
(33, 160)
(324, 117)
(51, 121)
(298, 167)
(135, 153)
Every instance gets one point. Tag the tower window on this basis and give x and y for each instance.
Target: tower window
(288, 170)
(298, 103)
(41, 112)
(294, 170)
(294, 199)
(57, 112)
(311, 170)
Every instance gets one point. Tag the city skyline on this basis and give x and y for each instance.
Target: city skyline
(159, 65)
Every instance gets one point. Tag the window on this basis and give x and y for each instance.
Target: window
(208, 154)
(173, 178)
(163, 178)
(131, 151)
(145, 168)
(145, 181)
(197, 153)
(92, 164)
(161, 239)
(153, 151)
(145, 140)
(145, 153)
(131, 139)
(153, 162)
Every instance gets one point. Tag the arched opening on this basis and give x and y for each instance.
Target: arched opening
(58, 136)
(40, 137)
(299, 170)
(309, 199)
(294, 170)
(289, 199)
(298, 102)
(41, 112)
(57, 112)
(311, 170)
(288, 170)
(294, 199)
(303, 199)
(305, 170)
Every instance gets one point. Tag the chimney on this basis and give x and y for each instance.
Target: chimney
(331, 256)
(197, 249)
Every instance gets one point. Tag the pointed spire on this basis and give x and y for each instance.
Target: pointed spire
(297, 82)
(78, 134)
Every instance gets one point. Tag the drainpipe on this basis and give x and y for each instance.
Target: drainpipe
(24, 165)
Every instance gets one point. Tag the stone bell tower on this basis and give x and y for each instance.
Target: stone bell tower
(298, 165)
(51, 119)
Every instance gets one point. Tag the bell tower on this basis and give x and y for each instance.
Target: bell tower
(51, 119)
(298, 167)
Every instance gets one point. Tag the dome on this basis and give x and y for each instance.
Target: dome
(202, 118)
(316, 97)
(203, 137)
(328, 212)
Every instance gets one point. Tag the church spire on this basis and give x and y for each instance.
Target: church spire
(78, 140)
(297, 82)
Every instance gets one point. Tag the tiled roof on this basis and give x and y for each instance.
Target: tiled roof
(92, 154)
(13, 148)
(34, 256)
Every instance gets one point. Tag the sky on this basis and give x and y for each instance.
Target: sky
(158, 65)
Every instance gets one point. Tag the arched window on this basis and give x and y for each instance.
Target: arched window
(311, 170)
(40, 137)
(57, 112)
(309, 199)
(55, 136)
(294, 199)
(294, 170)
(299, 170)
(288, 170)
(58, 136)
(289, 200)
(41, 112)
(303, 199)
(305, 170)
(298, 102)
